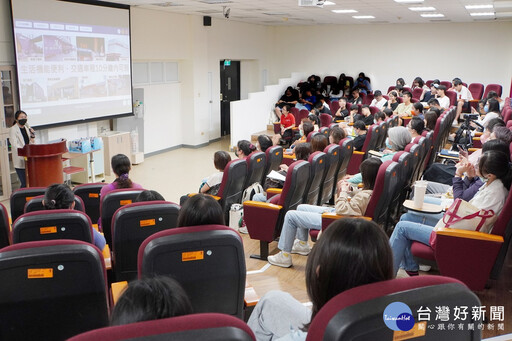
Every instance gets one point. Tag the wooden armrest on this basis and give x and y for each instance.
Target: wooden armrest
(469, 234)
(407, 117)
(117, 289)
(107, 257)
(472, 150)
(95, 226)
(474, 100)
(277, 123)
(286, 156)
(335, 216)
(274, 190)
(213, 196)
(251, 203)
(357, 152)
(478, 133)
(476, 138)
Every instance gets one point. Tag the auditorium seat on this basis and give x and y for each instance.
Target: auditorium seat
(256, 163)
(208, 261)
(264, 220)
(303, 113)
(274, 159)
(318, 162)
(36, 204)
(346, 150)
(90, 194)
(295, 113)
(52, 224)
(370, 143)
(448, 84)
(332, 153)
(330, 80)
(416, 93)
(56, 289)
(109, 205)
(5, 231)
(452, 95)
(429, 82)
(205, 327)
(374, 110)
(381, 142)
(488, 251)
(377, 209)
(368, 99)
(131, 225)
(358, 313)
(325, 120)
(477, 90)
(493, 87)
(20, 197)
(391, 88)
(335, 105)
(231, 187)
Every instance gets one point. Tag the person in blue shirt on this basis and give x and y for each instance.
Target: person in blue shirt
(362, 83)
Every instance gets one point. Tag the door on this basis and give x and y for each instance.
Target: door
(229, 91)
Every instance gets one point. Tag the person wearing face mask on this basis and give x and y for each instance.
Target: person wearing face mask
(362, 84)
(495, 169)
(20, 134)
(305, 127)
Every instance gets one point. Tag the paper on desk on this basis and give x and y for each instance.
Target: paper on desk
(276, 176)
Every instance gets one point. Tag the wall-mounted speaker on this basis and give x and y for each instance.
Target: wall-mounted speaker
(207, 21)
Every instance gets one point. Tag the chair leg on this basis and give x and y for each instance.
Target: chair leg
(263, 251)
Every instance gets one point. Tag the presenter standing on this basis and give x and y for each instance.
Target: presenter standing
(20, 134)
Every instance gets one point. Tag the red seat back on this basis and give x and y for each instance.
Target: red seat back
(493, 87)
(477, 90)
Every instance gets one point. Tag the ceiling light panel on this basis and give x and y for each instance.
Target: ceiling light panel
(479, 6)
(481, 14)
(432, 15)
(363, 17)
(422, 9)
(344, 11)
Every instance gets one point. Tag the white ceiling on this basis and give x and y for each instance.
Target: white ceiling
(287, 12)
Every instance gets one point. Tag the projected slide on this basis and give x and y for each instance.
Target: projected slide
(73, 71)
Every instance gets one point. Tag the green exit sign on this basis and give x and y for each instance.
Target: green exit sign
(227, 62)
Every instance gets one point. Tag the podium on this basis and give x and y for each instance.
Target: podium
(44, 163)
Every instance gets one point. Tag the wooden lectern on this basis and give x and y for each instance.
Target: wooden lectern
(44, 163)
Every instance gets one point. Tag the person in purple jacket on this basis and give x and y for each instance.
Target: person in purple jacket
(121, 167)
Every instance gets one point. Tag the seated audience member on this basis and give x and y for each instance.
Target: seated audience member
(418, 110)
(430, 120)
(378, 100)
(149, 195)
(400, 82)
(354, 113)
(342, 111)
(492, 109)
(419, 83)
(379, 117)
(121, 167)
(463, 97)
(356, 99)
(318, 143)
(320, 108)
(434, 105)
(60, 196)
(442, 99)
(314, 83)
(149, 299)
(366, 115)
(398, 138)
(211, 184)
(416, 126)
(245, 148)
(305, 128)
(405, 108)
(296, 226)
(200, 209)
(494, 167)
(428, 95)
(362, 84)
(360, 132)
(306, 101)
(345, 84)
(302, 152)
(351, 253)
(336, 135)
(392, 103)
(321, 99)
(287, 122)
(264, 142)
(290, 97)
(334, 94)
(388, 112)
(494, 94)
(399, 90)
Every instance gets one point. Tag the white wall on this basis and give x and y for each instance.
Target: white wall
(475, 52)
(6, 46)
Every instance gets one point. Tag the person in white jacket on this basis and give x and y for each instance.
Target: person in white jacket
(20, 134)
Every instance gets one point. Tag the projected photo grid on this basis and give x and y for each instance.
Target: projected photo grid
(61, 65)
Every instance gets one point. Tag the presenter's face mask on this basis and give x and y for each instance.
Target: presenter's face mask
(22, 121)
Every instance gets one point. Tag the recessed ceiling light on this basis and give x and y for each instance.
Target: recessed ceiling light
(481, 14)
(329, 3)
(478, 6)
(422, 9)
(363, 17)
(409, 1)
(344, 11)
(432, 15)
